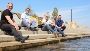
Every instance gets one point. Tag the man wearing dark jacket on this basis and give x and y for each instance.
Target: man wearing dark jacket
(60, 26)
(8, 24)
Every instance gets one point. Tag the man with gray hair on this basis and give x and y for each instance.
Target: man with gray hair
(9, 25)
(49, 25)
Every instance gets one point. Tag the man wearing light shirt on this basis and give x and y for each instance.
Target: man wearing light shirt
(48, 25)
(26, 21)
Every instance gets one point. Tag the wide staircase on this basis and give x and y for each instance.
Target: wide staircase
(8, 42)
(42, 34)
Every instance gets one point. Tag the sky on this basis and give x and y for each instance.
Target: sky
(80, 9)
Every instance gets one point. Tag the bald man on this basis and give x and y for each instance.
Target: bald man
(9, 25)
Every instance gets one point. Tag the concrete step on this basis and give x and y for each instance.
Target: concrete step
(46, 32)
(7, 38)
(27, 32)
(14, 45)
(68, 30)
(25, 28)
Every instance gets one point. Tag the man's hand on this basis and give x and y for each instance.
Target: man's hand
(16, 26)
(59, 27)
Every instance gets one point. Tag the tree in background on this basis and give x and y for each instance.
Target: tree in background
(34, 15)
(55, 12)
(31, 11)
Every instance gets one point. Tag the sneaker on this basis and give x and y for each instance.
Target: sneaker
(25, 38)
(64, 35)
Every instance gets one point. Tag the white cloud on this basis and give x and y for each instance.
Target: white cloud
(80, 7)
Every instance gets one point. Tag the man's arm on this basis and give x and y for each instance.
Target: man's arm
(12, 22)
(63, 24)
(7, 16)
(9, 20)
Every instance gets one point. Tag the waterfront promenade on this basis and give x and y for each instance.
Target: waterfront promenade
(8, 43)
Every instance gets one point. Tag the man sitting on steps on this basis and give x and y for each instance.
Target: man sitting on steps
(26, 21)
(60, 26)
(8, 24)
(48, 25)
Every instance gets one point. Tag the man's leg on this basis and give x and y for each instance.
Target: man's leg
(34, 24)
(61, 32)
(6, 27)
(49, 28)
(44, 28)
(64, 27)
(25, 23)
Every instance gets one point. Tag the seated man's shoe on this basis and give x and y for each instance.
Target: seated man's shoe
(34, 29)
(24, 38)
(64, 35)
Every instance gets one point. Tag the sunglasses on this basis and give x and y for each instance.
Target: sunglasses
(10, 6)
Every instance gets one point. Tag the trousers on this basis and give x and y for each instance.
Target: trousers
(10, 29)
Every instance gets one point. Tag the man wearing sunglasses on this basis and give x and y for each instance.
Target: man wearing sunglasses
(9, 25)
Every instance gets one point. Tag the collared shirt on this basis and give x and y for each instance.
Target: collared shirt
(26, 16)
(48, 21)
(59, 23)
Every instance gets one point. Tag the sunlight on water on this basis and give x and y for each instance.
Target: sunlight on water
(72, 45)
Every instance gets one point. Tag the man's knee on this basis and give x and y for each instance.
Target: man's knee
(64, 27)
(7, 27)
(19, 27)
(24, 21)
(47, 24)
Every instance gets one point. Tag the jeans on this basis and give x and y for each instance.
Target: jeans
(25, 23)
(12, 31)
(49, 27)
(61, 31)
(64, 27)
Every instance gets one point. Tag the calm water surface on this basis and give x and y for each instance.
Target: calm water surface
(72, 45)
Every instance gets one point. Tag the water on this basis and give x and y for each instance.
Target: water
(72, 45)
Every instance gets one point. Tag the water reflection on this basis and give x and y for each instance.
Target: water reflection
(72, 45)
